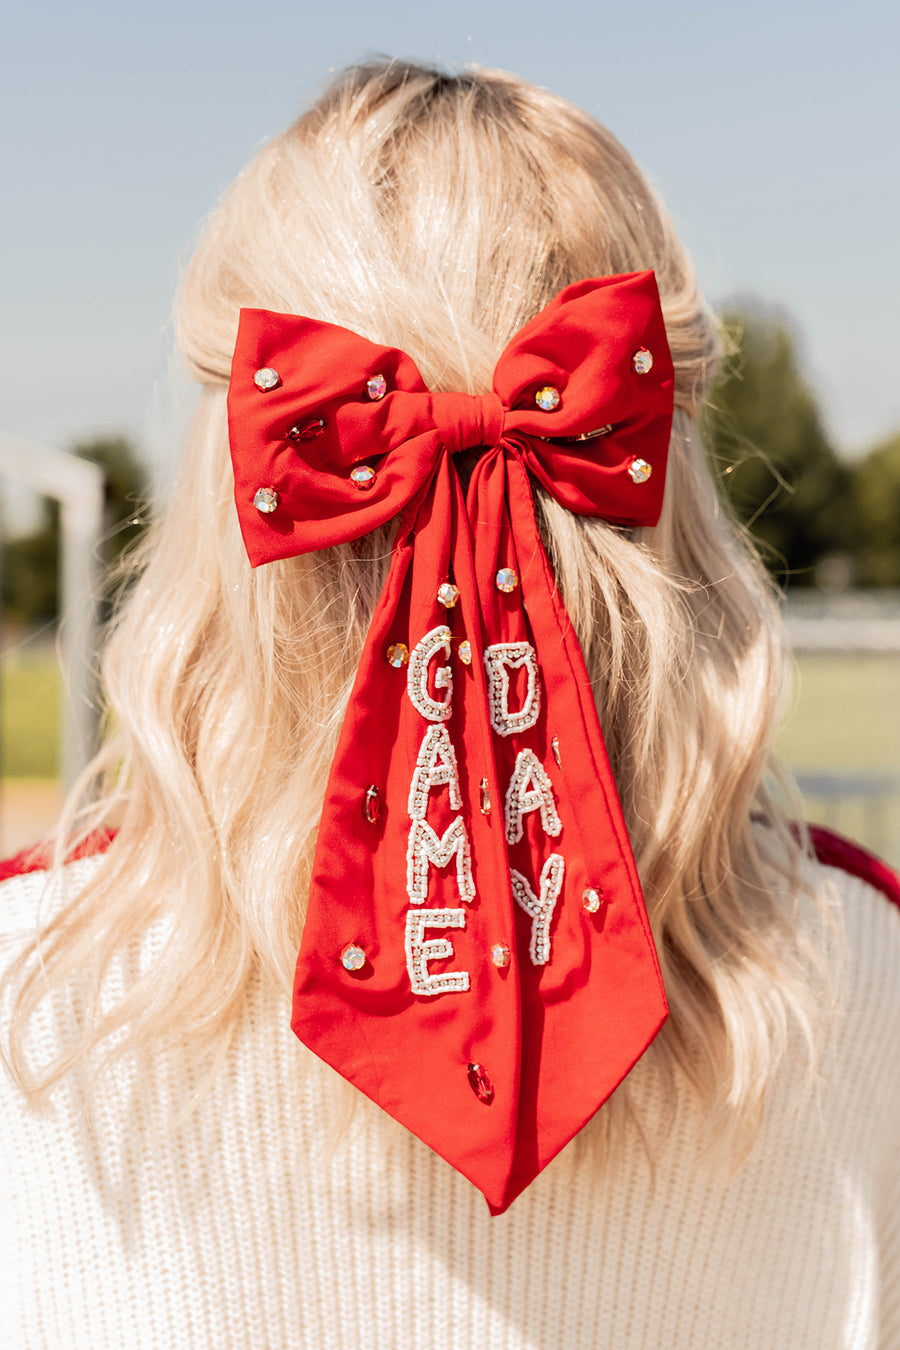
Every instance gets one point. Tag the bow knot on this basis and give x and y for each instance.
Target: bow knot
(467, 421)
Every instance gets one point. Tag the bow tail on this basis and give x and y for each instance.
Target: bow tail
(591, 991)
(428, 1024)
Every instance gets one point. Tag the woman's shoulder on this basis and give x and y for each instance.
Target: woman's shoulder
(31, 890)
(863, 894)
(866, 892)
(844, 856)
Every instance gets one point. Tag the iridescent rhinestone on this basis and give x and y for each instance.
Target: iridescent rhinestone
(591, 900)
(267, 379)
(554, 746)
(547, 397)
(448, 594)
(307, 431)
(500, 955)
(265, 500)
(642, 360)
(397, 654)
(362, 477)
(480, 1084)
(376, 387)
(353, 957)
(465, 652)
(639, 470)
(485, 795)
(506, 579)
(371, 804)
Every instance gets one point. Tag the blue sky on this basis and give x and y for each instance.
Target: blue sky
(771, 130)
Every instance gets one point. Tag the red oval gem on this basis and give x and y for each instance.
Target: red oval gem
(480, 1084)
(307, 431)
(371, 804)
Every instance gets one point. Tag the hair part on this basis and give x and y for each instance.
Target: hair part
(438, 214)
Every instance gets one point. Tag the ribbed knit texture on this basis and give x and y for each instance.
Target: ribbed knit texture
(255, 1223)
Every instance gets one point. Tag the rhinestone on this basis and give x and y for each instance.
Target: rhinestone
(371, 804)
(485, 794)
(265, 500)
(448, 594)
(480, 1084)
(307, 431)
(353, 957)
(639, 470)
(267, 379)
(547, 397)
(500, 955)
(465, 652)
(642, 360)
(397, 654)
(376, 387)
(554, 746)
(362, 477)
(506, 579)
(590, 900)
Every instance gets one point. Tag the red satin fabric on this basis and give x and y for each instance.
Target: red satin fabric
(552, 1039)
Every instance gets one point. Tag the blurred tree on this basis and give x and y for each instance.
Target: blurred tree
(31, 562)
(876, 498)
(771, 455)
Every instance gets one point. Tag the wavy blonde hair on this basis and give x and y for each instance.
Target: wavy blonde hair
(438, 214)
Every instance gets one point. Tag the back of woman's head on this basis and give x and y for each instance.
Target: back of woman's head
(437, 214)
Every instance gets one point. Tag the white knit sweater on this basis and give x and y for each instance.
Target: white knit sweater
(246, 1225)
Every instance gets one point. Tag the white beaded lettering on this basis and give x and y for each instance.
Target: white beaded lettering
(540, 908)
(529, 790)
(424, 847)
(499, 659)
(432, 709)
(436, 764)
(419, 951)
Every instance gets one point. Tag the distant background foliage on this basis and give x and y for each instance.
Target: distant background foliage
(816, 518)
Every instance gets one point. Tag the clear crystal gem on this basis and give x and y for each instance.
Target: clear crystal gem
(506, 579)
(500, 954)
(554, 746)
(590, 900)
(397, 654)
(465, 652)
(371, 804)
(547, 397)
(307, 431)
(265, 500)
(448, 594)
(363, 477)
(376, 387)
(480, 1084)
(642, 360)
(639, 470)
(266, 379)
(353, 957)
(485, 795)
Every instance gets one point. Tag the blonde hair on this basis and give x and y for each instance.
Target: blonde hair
(438, 214)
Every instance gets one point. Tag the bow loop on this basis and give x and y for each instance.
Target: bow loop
(467, 421)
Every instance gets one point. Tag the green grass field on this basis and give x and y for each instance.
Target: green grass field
(843, 719)
(30, 717)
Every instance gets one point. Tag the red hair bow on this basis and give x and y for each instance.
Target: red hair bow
(477, 957)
